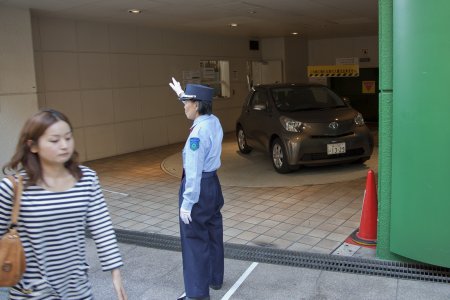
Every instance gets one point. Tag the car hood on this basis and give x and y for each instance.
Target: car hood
(322, 116)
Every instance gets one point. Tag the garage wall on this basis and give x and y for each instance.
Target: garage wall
(325, 51)
(293, 54)
(112, 81)
(17, 80)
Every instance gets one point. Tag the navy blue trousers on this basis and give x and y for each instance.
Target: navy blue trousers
(202, 239)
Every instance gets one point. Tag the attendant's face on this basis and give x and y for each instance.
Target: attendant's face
(56, 145)
(190, 109)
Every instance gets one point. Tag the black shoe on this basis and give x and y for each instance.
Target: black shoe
(215, 286)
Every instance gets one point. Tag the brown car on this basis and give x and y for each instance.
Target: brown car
(302, 124)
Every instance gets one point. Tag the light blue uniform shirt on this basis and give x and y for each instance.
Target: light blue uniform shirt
(201, 153)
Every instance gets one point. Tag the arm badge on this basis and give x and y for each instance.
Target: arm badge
(194, 143)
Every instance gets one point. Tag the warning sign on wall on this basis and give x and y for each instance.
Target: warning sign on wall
(333, 71)
(368, 87)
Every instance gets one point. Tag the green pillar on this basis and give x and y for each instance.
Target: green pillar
(420, 108)
(385, 129)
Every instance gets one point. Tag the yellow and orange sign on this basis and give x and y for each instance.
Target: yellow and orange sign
(368, 87)
(333, 71)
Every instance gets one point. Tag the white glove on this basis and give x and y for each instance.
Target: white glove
(175, 85)
(185, 216)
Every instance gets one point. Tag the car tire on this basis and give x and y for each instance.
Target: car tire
(279, 157)
(242, 141)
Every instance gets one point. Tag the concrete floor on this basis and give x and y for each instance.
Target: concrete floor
(316, 218)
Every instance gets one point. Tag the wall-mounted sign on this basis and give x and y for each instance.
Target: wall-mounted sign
(191, 76)
(368, 87)
(347, 61)
(333, 71)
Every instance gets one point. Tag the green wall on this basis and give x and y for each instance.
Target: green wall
(385, 129)
(414, 205)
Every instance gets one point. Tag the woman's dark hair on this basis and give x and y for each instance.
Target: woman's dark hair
(24, 159)
(204, 107)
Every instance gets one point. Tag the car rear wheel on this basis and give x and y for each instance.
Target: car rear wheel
(279, 157)
(242, 141)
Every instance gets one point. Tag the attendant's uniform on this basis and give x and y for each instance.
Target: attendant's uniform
(200, 192)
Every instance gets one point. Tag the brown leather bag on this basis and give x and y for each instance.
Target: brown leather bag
(12, 256)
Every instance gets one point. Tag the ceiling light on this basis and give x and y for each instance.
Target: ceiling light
(252, 12)
(233, 25)
(294, 33)
(134, 11)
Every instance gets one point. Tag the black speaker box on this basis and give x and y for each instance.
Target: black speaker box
(254, 45)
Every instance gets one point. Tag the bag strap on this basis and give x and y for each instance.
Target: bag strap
(17, 188)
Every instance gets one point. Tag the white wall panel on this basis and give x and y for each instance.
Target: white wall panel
(149, 40)
(124, 69)
(155, 132)
(154, 101)
(129, 136)
(92, 37)
(121, 73)
(36, 35)
(68, 103)
(177, 128)
(95, 70)
(41, 102)
(153, 70)
(176, 64)
(16, 53)
(123, 38)
(78, 135)
(14, 111)
(60, 71)
(39, 69)
(98, 107)
(127, 104)
(58, 34)
(100, 141)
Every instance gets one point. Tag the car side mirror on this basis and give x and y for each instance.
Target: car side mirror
(347, 101)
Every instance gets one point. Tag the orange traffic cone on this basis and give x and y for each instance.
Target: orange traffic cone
(367, 233)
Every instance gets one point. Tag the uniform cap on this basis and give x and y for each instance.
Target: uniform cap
(198, 92)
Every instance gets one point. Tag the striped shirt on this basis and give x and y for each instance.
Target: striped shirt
(52, 230)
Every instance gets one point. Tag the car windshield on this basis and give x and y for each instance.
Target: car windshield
(296, 98)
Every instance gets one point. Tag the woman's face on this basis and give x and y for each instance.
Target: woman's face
(190, 109)
(56, 145)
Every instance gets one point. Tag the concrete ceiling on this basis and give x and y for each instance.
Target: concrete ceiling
(312, 19)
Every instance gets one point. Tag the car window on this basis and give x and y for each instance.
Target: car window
(305, 98)
(326, 98)
(259, 101)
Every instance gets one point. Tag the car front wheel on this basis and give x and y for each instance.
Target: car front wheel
(279, 157)
(242, 141)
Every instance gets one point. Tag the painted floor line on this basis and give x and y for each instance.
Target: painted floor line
(238, 283)
(115, 192)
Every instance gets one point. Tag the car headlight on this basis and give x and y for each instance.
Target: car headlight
(291, 125)
(359, 120)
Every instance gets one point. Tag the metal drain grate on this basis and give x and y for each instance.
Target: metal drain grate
(394, 269)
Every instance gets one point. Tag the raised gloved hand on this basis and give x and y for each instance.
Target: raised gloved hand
(175, 85)
(185, 216)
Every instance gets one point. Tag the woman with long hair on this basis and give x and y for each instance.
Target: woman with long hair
(60, 200)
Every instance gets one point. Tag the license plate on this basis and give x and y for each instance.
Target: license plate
(337, 148)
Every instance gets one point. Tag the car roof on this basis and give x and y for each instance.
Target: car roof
(282, 85)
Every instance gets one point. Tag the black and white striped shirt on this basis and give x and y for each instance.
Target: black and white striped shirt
(52, 230)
